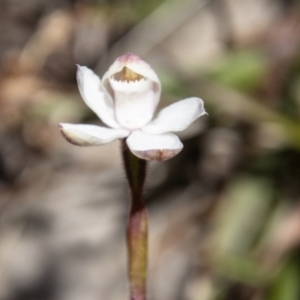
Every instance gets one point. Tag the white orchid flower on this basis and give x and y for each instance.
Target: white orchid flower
(125, 101)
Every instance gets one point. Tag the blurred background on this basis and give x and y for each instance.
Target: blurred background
(224, 214)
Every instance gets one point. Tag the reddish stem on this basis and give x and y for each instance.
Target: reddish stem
(137, 230)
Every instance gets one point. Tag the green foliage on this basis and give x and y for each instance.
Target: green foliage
(242, 70)
(286, 285)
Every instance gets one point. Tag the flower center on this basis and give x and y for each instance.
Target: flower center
(127, 75)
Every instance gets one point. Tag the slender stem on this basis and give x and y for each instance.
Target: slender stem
(137, 230)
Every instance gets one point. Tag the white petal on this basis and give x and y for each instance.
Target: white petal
(154, 147)
(177, 116)
(134, 63)
(137, 113)
(134, 102)
(90, 135)
(95, 96)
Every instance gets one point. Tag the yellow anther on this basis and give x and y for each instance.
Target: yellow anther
(128, 75)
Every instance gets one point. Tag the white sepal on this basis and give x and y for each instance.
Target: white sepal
(90, 135)
(95, 96)
(177, 116)
(154, 147)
